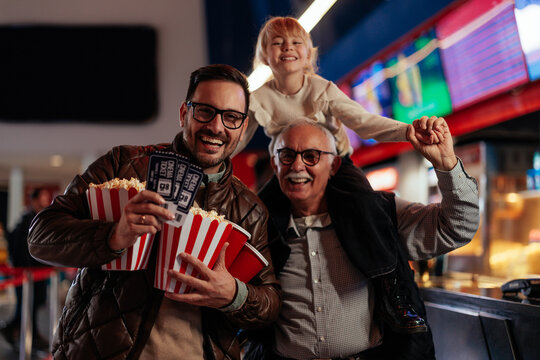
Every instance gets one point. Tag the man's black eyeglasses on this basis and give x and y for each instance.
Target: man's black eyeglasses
(310, 157)
(205, 113)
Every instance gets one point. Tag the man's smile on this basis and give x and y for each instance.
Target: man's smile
(298, 178)
(211, 140)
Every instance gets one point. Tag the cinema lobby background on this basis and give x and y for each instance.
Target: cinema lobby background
(77, 78)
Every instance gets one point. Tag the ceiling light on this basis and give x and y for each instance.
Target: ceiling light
(258, 77)
(56, 160)
(314, 13)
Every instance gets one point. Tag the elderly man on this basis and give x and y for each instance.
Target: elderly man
(317, 246)
(119, 314)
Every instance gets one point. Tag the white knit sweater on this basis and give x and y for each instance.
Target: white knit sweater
(325, 103)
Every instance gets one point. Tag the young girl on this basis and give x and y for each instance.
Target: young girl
(294, 91)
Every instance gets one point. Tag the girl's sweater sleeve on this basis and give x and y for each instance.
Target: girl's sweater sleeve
(362, 122)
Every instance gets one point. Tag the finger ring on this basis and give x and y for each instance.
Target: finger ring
(143, 219)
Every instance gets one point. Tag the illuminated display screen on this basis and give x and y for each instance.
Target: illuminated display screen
(385, 179)
(356, 141)
(527, 14)
(481, 50)
(371, 90)
(417, 81)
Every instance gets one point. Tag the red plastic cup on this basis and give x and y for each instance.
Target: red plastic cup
(200, 237)
(236, 240)
(107, 204)
(248, 263)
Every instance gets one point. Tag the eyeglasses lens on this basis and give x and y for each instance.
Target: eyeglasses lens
(309, 157)
(231, 119)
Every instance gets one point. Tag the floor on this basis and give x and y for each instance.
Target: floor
(7, 308)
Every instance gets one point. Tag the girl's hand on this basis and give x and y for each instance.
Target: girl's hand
(426, 129)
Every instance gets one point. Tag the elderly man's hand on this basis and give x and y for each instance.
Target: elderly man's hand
(215, 288)
(142, 214)
(441, 151)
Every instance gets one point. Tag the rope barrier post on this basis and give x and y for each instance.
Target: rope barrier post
(25, 341)
(53, 305)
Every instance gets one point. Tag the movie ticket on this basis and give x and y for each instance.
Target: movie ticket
(162, 174)
(177, 180)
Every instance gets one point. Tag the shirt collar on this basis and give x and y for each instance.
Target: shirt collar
(217, 176)
(273, 85)
(299, 225)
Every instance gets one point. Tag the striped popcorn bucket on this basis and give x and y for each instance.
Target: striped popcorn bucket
(201, 237)
(107, 204)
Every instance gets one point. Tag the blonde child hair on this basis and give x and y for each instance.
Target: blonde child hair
(280, 26)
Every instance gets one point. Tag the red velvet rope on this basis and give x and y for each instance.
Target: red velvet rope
(16, 276)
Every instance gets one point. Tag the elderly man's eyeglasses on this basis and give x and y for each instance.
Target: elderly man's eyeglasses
(205, 113)
(310, 157)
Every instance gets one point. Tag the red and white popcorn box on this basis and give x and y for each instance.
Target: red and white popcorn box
(107, 204)
(200, 236)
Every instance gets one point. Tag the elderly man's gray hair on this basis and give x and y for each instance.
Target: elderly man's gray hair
(303, 120)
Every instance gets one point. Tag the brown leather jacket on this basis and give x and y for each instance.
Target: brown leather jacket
(109, 314)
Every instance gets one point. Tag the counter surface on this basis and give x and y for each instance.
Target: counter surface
(476, 322)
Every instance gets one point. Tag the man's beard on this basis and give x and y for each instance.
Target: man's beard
(206, 163)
